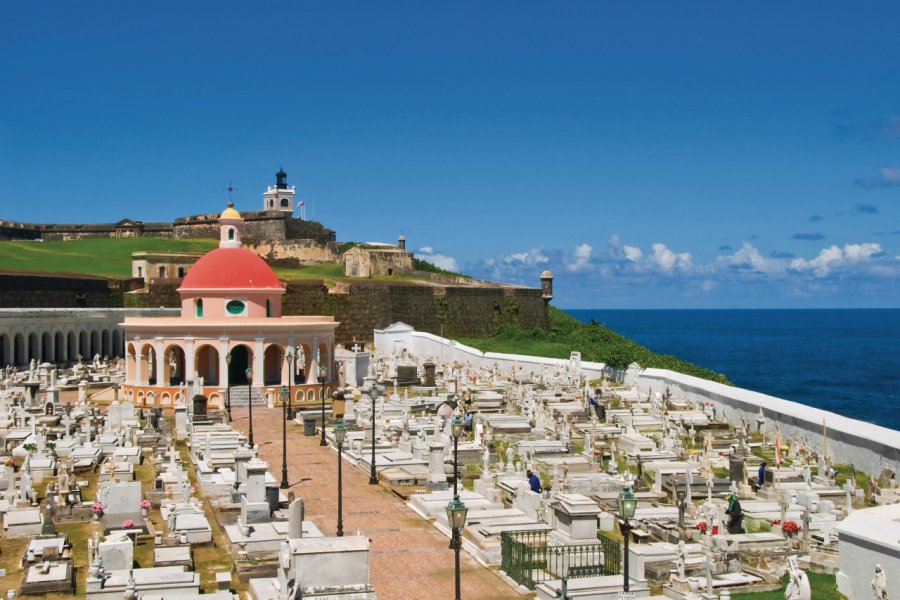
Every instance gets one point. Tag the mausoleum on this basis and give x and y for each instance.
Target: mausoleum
(230, 334)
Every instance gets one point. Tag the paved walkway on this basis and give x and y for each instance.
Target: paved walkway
(408, 558)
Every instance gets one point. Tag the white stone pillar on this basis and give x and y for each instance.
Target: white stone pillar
(161, 363)
(223, 363)
(189, 366)
(258, 356)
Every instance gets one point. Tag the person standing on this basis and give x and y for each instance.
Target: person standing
(761, 476)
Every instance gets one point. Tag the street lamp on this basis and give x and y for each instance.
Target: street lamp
(456, 427)
(339, 433)
(373, 393)
(627, 503)
(456, 516)
(290, 358)
(285, 394)
(323, 375)
(249, 372)
(228, 384)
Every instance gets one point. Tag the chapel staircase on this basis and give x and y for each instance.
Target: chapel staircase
(239, 399)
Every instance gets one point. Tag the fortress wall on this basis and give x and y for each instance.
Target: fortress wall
(868, 447)
(296, 252)
(24, 290)
(304, 297)
(361, 307)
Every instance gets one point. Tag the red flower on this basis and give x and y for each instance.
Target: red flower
(715, 530)
(701, 526)
(790, 528)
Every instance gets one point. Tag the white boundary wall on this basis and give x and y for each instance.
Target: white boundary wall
(401, 335)
(868, 447)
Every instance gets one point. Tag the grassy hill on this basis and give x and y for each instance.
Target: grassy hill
(111, 257)
(595, 342)
(105, 257)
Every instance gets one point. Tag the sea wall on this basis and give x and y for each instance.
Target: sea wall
(867, 446)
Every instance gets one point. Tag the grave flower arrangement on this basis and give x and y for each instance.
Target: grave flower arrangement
(145, 507)
(790, 528)
(701, 526)
(97, 509)
(127, 524)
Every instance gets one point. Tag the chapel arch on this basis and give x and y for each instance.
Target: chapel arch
(147, 365)
(173, 372)
(241, 358)
(206, 363)
(273, 358)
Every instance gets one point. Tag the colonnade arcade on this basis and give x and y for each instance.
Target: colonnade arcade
(157, 370)
(60, 336)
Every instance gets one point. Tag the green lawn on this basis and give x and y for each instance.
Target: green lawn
(105, 257)
(823, 587)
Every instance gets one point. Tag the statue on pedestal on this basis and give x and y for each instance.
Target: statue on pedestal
(798, 584)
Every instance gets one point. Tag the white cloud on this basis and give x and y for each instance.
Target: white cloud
(442, 261)
(668, 261)
(834, 257)
(633, 253)
(581, 260)
(749, 256)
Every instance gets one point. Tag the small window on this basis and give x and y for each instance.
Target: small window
(268, 308)
(198, 305)
(284, 203)
(162, 271)
(140, 271)
(235, 307)
(271, 204)
(231, 234)
(181, 271)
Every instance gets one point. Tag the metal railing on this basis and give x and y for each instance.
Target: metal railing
(528, 559)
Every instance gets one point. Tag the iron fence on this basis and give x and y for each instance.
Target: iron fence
(528, 558)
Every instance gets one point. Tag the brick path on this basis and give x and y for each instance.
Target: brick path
(408, 558)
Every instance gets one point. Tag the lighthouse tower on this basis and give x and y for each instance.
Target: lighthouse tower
(280, 197)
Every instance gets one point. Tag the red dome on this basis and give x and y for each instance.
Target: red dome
(230, 268)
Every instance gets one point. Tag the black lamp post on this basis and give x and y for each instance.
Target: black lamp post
(285, 394)
(228, 384)
(627, 503)
(456, 427)
(456, 516)
(373, 393)
(290, 358)
(250, 400)
(339, 433)
(323, 375)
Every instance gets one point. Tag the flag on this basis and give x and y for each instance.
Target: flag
(299, 204)
(777, 448)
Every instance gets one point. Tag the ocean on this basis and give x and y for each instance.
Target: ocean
(842, 360)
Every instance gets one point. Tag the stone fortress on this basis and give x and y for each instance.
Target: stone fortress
(436, 302)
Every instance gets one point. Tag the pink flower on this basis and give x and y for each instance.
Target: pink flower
(97, 508)
(145, 504)
(127, 524)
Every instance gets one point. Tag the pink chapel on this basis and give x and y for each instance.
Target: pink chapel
(230, 336)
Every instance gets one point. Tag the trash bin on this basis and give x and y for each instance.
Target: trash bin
(309, 427)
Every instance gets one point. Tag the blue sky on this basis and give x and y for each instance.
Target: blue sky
(651, 154)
